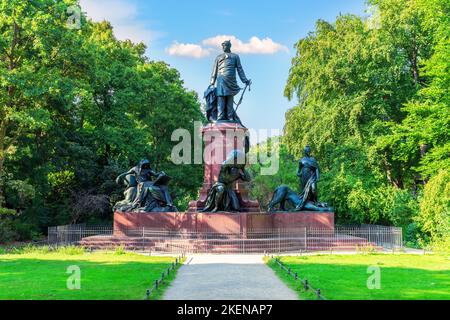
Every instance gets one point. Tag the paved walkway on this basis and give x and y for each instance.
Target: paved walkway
(227, 277)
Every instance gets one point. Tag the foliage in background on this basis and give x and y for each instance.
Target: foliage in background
(434, 216)
(373, 102)
(263, 186)
(77, 108)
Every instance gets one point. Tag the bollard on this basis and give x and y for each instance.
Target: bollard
(306, 284)
(296, 276)
(148, 294)
(318, 293)
(168, 272)
(162, 276)
(156, 284)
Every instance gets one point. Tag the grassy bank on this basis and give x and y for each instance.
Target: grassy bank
(345, 277)
(42, 275)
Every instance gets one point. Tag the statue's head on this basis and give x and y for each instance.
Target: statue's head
(144, 165)
(307, 151)
(226, 46)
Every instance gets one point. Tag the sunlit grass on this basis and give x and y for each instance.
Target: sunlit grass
(344, 277)
(42, 275)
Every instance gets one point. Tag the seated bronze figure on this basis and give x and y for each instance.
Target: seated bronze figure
(146, 190)
(222, 196)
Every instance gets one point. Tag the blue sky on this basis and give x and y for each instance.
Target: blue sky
(186, 34)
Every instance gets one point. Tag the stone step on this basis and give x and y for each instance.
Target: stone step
(226, 245)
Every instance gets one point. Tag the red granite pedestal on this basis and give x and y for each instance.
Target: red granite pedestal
(226, 233)
(224, 222)
(220, 140)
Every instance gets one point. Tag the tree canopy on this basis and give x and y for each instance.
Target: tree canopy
(372, 100)
(78, 107)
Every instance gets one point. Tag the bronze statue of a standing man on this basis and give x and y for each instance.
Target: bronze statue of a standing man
(224, 73)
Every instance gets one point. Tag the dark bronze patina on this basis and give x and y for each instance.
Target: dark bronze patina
(220, 99)
(146, 190)
(222, 196)
(309, 175)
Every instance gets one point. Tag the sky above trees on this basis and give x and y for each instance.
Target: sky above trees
(187, 35)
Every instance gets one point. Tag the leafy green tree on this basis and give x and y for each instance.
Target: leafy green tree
(434, 217)
(422, 138)
(352, 79)
(263, 186)
(35, 52)
(78, 107)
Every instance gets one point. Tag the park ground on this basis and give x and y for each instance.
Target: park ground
(41, 275)
(345, 277)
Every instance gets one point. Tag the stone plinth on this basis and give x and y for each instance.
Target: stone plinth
(220, 140)
(223, 222)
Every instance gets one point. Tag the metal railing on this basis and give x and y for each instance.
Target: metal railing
(249, 241)
(71, 234)
(305, 283)
(157, 284)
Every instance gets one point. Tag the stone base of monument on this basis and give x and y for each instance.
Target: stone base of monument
(225, 233)
(220, 139)
(221, 222)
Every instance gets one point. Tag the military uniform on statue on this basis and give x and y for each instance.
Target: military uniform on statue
(220, 100)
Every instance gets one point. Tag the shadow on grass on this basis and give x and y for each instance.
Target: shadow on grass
(349, 281)
(46, 279)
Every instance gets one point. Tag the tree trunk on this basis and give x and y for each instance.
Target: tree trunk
(414, 63)
(2, 157)
(2, 145)
(11, 89)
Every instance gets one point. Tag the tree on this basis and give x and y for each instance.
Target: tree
(434, 217)
(77, 108)
(34, 47)
(352, 79)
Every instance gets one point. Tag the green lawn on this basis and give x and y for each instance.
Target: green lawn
(110, 276)
(344, 277)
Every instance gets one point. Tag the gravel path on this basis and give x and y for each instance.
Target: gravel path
(227, 277)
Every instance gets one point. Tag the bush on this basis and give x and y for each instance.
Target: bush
(13, 229)
(434, 216)
(71, 250)
(26, 231)
(412, 236)
(33, 249)
(7, 231)
(120, 251)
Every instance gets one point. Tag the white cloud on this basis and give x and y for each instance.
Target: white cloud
(187, 50)
(254, 46)
(123, 17)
